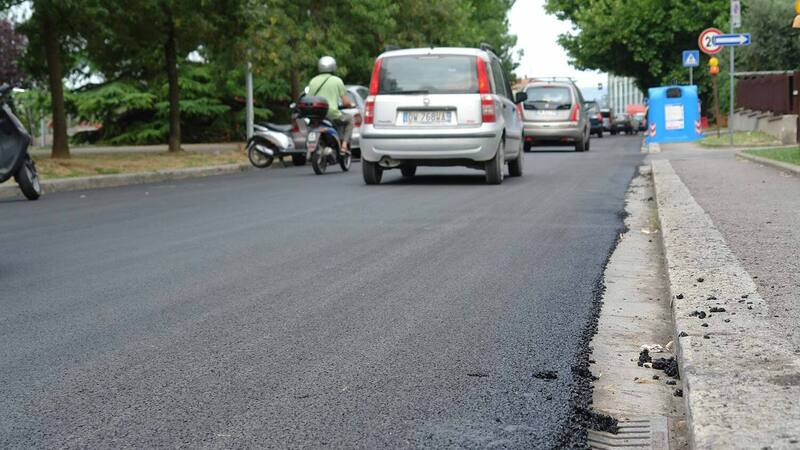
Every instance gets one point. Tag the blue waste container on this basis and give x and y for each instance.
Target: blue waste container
(673, 114)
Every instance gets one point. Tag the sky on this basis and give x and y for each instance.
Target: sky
(537, 35)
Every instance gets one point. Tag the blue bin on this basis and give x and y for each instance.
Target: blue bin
(673, 114)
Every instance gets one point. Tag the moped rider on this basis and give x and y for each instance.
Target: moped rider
(331, 87)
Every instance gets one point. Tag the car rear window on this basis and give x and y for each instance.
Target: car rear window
(606, 114)
(428, 74)
(548, 97)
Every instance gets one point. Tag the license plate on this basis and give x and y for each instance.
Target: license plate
(547, 113)
(427, 117)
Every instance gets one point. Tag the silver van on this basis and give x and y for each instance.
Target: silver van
(441, 107)
(556, 114)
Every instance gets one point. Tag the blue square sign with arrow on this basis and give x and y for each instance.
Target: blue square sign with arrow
(691, 58)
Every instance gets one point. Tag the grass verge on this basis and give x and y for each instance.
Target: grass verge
(789, 155)
(740, 139)
(82, 165)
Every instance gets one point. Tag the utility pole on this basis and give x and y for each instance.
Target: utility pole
(250, 114)
(735, 20)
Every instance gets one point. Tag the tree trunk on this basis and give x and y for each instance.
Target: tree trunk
(52, 50)
(171, 61)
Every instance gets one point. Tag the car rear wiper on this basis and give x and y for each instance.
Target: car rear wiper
(410, 92)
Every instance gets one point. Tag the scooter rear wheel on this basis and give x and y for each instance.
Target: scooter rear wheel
(28, 180)
(259, 159)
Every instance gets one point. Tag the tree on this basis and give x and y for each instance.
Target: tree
(151, 40)
(642, 39)
(54, 44)
(775, 44)
(12, 46)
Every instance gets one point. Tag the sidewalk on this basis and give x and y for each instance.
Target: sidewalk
(731, 237)
(757, 210)
(92, 149)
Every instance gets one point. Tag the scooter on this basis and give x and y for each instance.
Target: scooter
(323, 144)
(270, 141)
(15, 161)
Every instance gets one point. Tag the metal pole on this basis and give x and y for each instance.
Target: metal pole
(691, 76)
(43, 131)
(732, 105)
(250, 113)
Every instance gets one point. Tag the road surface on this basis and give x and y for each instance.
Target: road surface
(282, 309)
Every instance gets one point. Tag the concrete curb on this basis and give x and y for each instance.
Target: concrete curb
(792, 168)
(741, 380)
(107, 181)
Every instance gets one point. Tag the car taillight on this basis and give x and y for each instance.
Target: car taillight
(575, 110)
(519, 111)
(483, 77)
(374, 82)
(488, 113)
(357, 120)
(295, 126)
(369, 110)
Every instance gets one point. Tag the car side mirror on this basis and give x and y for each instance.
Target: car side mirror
(520, 97)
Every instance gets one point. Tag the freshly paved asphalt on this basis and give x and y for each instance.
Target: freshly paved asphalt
(281, 309)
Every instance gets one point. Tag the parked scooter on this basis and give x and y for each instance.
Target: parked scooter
(15, 161)
(272, 141)
(323, 144)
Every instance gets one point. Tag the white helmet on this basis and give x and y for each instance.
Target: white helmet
(326, 64)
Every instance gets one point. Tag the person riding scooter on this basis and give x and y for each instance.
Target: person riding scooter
(331, 87)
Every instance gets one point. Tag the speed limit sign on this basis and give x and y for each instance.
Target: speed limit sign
(706, 41)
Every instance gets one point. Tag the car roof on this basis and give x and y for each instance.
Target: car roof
(558, 83)
(437, 51)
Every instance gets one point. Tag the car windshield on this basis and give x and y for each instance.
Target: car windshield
(548, 97)
(428, 74)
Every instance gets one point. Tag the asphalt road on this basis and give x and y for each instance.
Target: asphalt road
(283, 309)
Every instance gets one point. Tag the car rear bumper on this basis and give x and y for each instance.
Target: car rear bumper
(553, 131)
(477, 144)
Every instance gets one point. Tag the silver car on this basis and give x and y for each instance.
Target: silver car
(440, 107)
(555, 114)
(357, 95)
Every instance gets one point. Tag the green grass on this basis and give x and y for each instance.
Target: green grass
(740, 139)
(789, 155)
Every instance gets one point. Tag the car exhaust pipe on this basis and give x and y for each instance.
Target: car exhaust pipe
(388, 163)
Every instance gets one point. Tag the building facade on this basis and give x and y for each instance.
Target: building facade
(622, 91)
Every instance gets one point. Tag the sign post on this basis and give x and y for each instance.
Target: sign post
(691, 59)
(731, 40)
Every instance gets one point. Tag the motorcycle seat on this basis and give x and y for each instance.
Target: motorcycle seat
(275, 127)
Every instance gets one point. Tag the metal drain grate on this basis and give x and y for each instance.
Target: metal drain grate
(650, 433)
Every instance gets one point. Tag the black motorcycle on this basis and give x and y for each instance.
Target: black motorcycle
(15, 161)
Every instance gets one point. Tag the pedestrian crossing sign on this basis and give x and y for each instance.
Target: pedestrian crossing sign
(691, 58)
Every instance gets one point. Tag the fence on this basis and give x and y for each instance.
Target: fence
(768, 91)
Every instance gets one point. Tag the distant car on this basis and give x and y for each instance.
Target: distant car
(640, 121)
(608, 120)
(355, 94)
(595, 118)
(622, 122)
(440, 107)
(554, 114)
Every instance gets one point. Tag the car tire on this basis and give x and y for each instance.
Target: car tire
(408, 171)
(526, 147)
(515, 167)
(372, 172)
(494, 167)
(299, 160)
(580, 146)
(600, 134)
(588, 145)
